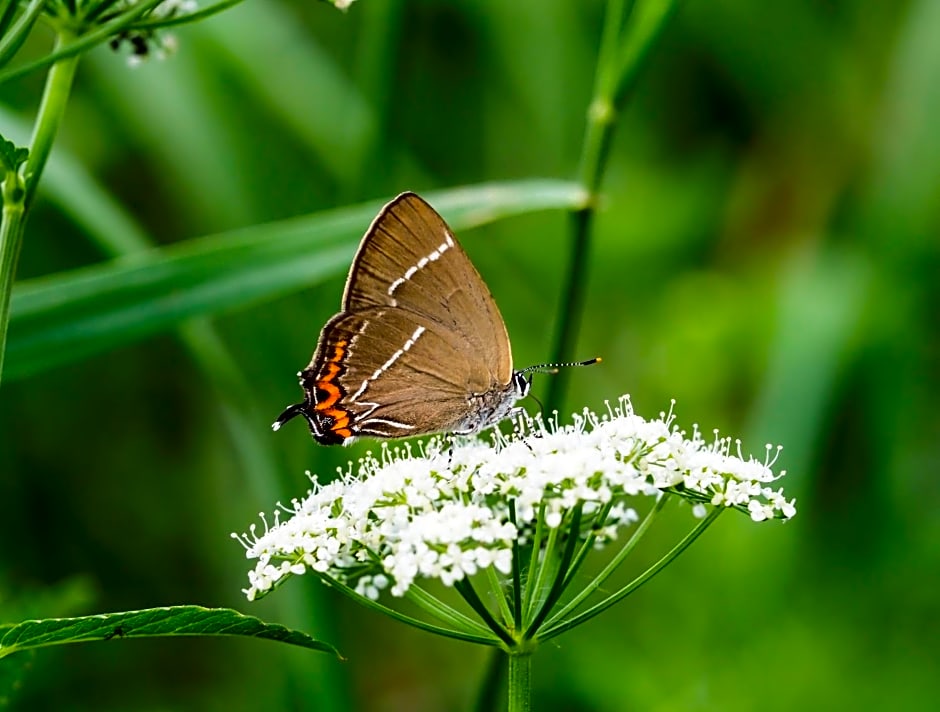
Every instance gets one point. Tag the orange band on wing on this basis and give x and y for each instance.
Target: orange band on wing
(340, 416)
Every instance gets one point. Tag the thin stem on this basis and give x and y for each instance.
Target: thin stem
(520, 681)
(516, 572)
(51, 111)
(465, 589)
(551, 632)
(625, 48)
(18, 192)
(443, 612)
(588, 545)
(10, 240)
(612, 565)
(561, 574)
(13, 40)
(573, 304)
(397, 615)
(499, 593)
(533, 567)
(537, 587)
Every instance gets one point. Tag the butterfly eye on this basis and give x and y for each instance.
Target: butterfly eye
(323, 395)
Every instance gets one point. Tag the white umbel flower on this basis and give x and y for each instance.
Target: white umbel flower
(448, 512)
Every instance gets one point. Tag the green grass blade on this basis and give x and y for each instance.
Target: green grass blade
(63, 317)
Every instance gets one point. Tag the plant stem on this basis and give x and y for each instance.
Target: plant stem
(591, 166)
(404, 618)
(611, 566)
(551, 632)
(520, 682)
(10, 239)
(623, 53)
(51, 111)
(18, 193)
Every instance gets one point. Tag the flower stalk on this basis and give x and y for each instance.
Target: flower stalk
(630, 31)
(20, 189)
(520, 683)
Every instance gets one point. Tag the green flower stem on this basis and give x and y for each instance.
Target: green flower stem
(561, 574)
(587, 545)
(537, 586)
(465, 589)
(10, 240)
(551, 632)
(612, 566)
(18, 193)
(202, 14)
(516, 572)
(13, 40)
(446, 614)
(520, 683)
(403, 618)
(499, 593)
(623, 53)
(51, 111)
(533, 566)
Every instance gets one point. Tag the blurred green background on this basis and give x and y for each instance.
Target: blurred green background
(766, 253)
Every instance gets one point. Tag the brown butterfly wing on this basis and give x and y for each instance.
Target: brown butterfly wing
(389, 372)
(409, 259)
(419, 346)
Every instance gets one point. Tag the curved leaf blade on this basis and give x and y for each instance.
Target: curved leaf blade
(150, 622)
(63, 317)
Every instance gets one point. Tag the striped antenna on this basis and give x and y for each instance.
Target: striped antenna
(553, 367)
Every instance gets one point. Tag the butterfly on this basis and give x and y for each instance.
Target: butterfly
(418, 346)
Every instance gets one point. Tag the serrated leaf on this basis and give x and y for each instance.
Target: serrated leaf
(151, 622)
(11, 155)
(66, 316)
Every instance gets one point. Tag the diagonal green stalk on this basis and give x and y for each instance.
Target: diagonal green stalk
(404, 618)
(537, 588)
(561, 574)
(14, 39)
(532, 570)
(588, 545)
(55, 96)
(612, 565)
(443, 612)
(552, 631)
(201, 14)
(496, 586)
(516, 572)
(10, 240)
(18, 192)
(624, 51)
(465, 588)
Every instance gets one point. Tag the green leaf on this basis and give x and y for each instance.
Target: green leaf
(11, 155)
(151, 622)
(61, 318)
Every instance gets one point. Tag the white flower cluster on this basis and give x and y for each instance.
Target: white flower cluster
(450, 511)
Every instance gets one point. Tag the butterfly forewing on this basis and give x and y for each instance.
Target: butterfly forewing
(410, 259)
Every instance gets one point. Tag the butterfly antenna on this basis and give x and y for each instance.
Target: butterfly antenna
(554, 367)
